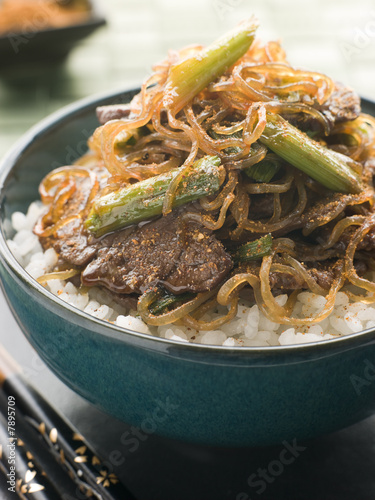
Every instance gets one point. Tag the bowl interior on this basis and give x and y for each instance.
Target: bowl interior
(57, 141)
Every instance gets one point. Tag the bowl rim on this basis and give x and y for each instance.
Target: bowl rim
(109, 329)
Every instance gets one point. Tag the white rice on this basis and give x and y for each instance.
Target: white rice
(249, 328)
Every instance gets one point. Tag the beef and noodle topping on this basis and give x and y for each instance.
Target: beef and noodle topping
(230, 174)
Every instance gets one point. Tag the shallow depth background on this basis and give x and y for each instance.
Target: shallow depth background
(336, 37)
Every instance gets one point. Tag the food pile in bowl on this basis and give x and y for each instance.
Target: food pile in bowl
(231, 202)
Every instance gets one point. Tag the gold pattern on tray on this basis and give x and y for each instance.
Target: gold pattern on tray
(106, 479)
(29, 455)
(30, 463)
(26, 486)
(81, 450)
(53, 435)
(89, 492)
(77, 437)
(81, 457)
(33, 488)
(29, 476)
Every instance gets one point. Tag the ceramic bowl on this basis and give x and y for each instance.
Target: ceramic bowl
(220, 396)
(46, 44)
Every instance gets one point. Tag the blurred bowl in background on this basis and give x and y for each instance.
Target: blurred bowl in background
(45, 34)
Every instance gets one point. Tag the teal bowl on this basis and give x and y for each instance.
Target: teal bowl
(222, 396)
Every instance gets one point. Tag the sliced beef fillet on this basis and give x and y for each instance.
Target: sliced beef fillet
(72, 243)
(322, 273)
(160, 252)
(112, 112)
(324, 209)
(75, 245)
(367, 243)
(202, 265)
(342, 105)
(183, 258)
(134, 262)
(261, 206)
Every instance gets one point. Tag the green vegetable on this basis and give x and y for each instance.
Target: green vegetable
(144, 200)
(265, 170)
(187, 78)
(334, 170)
(167, 300)
(128, 138)
(230, 150)
(254, 249)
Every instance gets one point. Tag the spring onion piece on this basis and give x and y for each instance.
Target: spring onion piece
(254, 249)
(265, 170)
(167, 300)
(334, 170)
(143, 200)
(231, 150)
(187, 78)
(58, 275)
(181, 310)
(128, 138)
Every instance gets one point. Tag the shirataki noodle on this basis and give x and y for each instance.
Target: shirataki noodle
(227, 120)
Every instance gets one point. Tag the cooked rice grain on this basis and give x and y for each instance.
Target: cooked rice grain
(248, 328)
